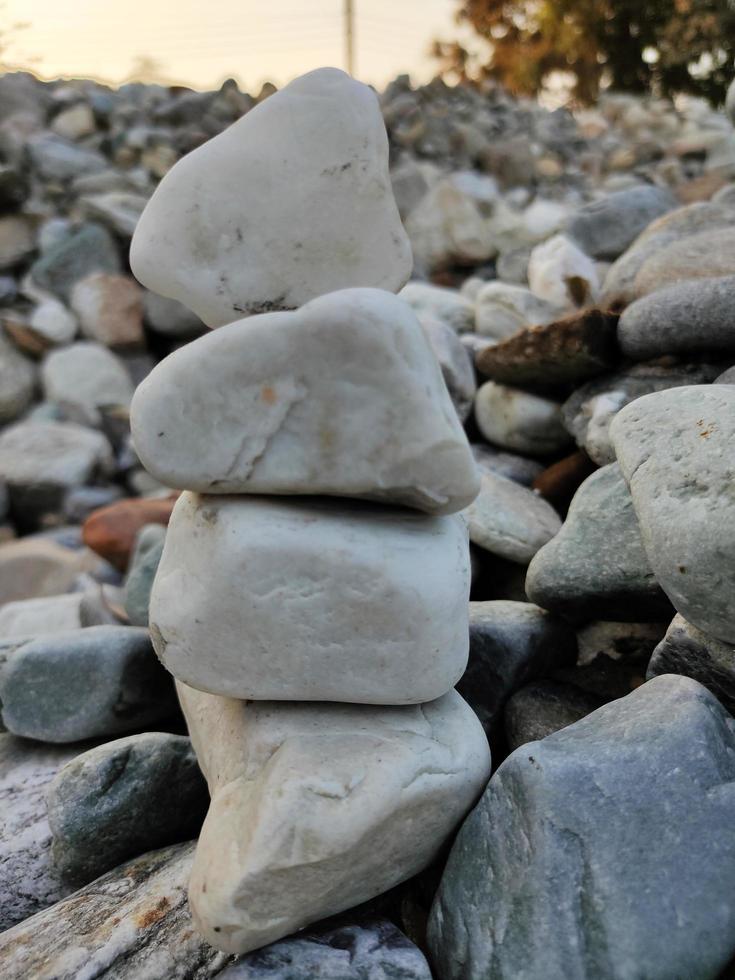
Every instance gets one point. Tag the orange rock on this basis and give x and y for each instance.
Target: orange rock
(111, 531)
(559, 482)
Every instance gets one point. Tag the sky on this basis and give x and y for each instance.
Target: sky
(201, 43)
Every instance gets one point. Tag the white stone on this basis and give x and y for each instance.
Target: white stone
(75, 122)
(455, 361)
(561, 273)
(317, 808)
(445, 304)
(53, 323)
(292, 201)
(49, 614)
(343, 397)
(84, 377)
(502, 309)
(510, 520)
(52, 453)
(312, 600)
(518, 420)
(447, 227)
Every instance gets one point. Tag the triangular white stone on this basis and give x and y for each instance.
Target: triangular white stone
(317, 808)
(292, 201)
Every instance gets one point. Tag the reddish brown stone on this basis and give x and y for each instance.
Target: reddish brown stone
(573, 349)
(559, 482)
(111, 530)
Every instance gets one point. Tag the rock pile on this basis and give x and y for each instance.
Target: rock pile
(294, 485)
(264, 605)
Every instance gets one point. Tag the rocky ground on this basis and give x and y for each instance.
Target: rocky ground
(575, 277)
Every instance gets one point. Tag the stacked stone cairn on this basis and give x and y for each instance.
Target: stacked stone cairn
(312, 597)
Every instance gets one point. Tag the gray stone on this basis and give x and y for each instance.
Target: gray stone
(596, 567)
(142, 571)
(455, 363)
(704, 255)
(606, 227)
(371, 950)
(89, 249)
(17, 240)
(17, 381)
(727, 377)
(119, 210)
(55, 158)
(121, 799)
(84, 377)
(603, 850)
(103, 680)
(39, 461)
(693, 316)
(589, 410)
(28, 880)
(618, 288)
(514, 467)
(542, 708)
(688, 651)
(510, 643)
(132, 923)
(509, 520)
(675, 450)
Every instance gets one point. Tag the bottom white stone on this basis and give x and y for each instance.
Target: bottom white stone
(317, 808)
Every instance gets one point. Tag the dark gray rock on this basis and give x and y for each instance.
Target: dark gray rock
(602, 851)
(605, 228)
(596, 566)
(688, 651)
(589, 410)
(142, 571)
(694, 316)
(89, 249)
(29, 881)
(510, 643)
(103, 680)
(373, 950)
(542, 708)
(122, 799)
(132, 923)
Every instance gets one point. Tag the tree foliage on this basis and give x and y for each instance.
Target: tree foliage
(664, 46)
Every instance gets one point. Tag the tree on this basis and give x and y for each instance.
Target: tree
(664, 46)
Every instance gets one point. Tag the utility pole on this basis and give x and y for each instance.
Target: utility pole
(349, 23)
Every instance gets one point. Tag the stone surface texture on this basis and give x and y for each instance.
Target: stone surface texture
(312, 601)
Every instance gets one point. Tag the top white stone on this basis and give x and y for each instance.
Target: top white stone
(292, 201)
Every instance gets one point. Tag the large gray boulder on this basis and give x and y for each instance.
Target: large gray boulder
(596, 566)
(675, 451)
(604, 850)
